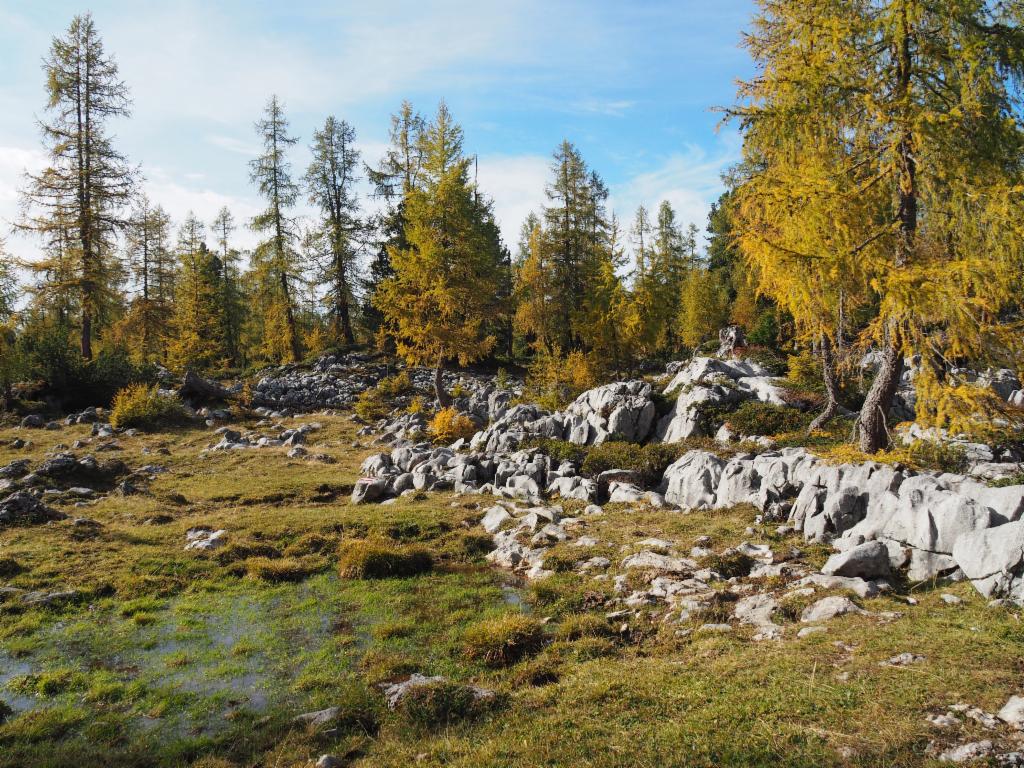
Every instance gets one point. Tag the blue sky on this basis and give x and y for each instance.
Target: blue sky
(631, 83)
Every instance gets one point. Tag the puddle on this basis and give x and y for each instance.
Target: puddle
(514, 596)
(9, 669)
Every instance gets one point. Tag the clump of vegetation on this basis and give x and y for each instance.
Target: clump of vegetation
(558, 450)
(928, 455)
(560, 560)
(718, 608)
(243, 550)
(49, 683)
(555, 380)
(311, 544)
(758, 418)
(729, 563)
(9, 567)
(375, 559)
(377, 402)
(144, 407)
(580, 625)
(442, 703)
(448, 425)
(650, 461)
(504, 640)
(282, 569)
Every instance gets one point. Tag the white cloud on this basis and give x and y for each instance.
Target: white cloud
(516, 184)
(608, 107)
(690, 181)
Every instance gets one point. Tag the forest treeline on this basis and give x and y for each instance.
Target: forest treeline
(877, 206)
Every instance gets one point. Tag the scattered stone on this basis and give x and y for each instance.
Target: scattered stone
(204, 539)
(22, 508)
(1012, 712)
(869, 560)
(902, 660)
(829, 608)
(966, 753)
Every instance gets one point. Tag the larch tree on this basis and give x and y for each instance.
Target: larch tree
(231, 299)
(88, 184)
(442, 296)
(275, 260)
(920, 105)
(10, 361)
(536, 299)
(331, 179)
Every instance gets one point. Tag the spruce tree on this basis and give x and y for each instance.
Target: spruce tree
(231, 298)
(331, 179)
(275, 260)
(392, 180)
(77, 203)
(197, 325)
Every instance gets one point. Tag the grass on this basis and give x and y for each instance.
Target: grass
(504, 640)
(368, 559)
(174, 658)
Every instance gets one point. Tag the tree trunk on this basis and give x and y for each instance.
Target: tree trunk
(86, 335)
(443, 398)
(346, 322)
(872, 429)
(828, 371)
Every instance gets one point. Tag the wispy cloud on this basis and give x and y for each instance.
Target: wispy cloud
(232, 144)
(608, 107)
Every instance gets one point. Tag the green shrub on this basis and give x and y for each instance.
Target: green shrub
(370, 559)
(558, 450)
(504, 640)
(758, 418)
(442, 703)
(143, 407)
(50, 355)
(581, 625)
(650, 461)
(768, 358)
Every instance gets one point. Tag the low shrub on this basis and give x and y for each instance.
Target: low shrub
(558, 450)
(377, 402)
(805, 371)
(143, 407)
(767, 358)
(717, 609)
(650, 461)
(538, 672)
(504, 640)
(448, 425)
(758, 418)
(439, 704)
(368, 559)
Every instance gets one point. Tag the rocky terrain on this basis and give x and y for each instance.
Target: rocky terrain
(326, 589)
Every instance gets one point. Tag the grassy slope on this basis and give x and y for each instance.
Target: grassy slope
(172, 657)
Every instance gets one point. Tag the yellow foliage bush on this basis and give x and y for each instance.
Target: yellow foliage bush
(448, 425)
(554, 380)
(143, 407)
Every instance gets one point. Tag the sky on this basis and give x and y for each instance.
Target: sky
(633, 84)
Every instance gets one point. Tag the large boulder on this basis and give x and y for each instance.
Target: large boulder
(692, 480)
(993, 559)
(623, 410)
(869, 560)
